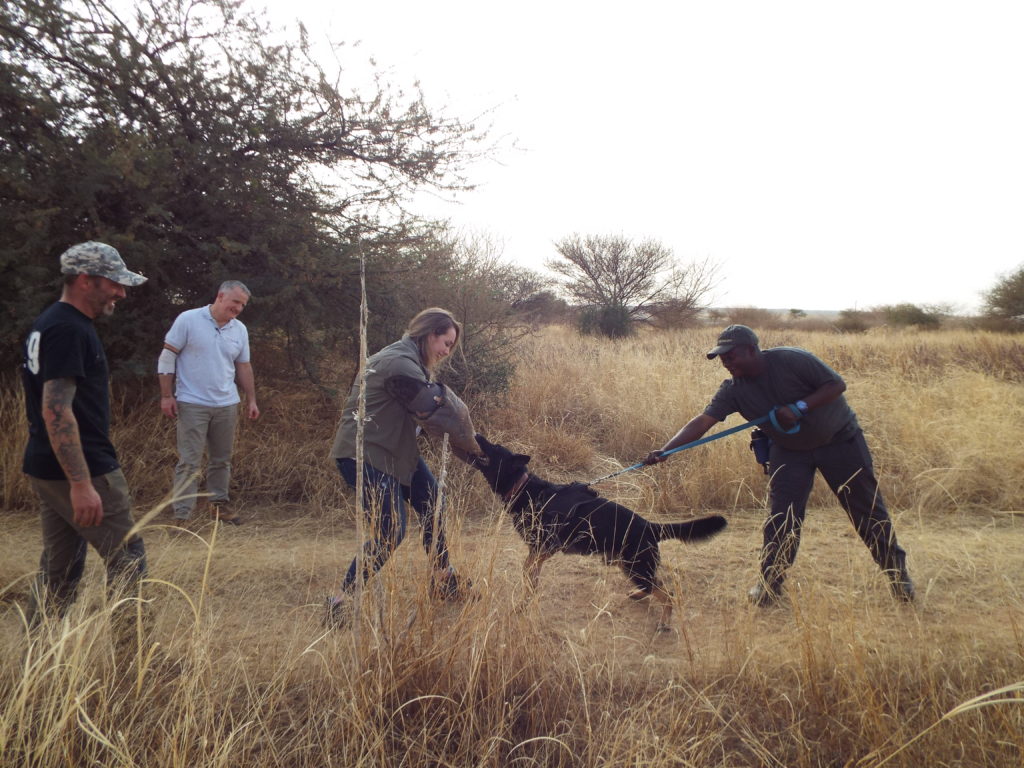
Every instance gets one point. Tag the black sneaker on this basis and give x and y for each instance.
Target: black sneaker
(901, 585)
(448, 585)
(763, 597)
(339, 613)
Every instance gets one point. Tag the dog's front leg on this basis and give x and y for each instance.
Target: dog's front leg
(531, 574)
(531, 568)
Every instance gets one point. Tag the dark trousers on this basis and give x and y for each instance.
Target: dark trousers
(65, 544)
(847, 468)
(384, 501)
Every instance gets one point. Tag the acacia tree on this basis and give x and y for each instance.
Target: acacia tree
(498, 303)
(618, 282)
(203, 145)
(1004, 302)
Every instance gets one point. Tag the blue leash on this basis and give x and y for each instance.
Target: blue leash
(717, 436)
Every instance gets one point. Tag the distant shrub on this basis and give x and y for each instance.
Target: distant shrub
(855, 321)
(613, 322)
(1001, 324)
(904, 315)
(753, 317)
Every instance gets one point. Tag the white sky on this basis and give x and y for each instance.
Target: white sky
(826, 155)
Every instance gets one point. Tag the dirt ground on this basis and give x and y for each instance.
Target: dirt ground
(271, 575)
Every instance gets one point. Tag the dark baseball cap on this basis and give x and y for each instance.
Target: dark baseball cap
(98, 259)
(733, 336)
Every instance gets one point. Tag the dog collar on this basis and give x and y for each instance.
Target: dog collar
(507, 497)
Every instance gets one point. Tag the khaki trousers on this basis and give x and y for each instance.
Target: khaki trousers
(200, 428)
(65, 543)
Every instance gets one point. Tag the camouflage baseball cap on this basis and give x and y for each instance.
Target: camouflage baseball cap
(733, 336)
(98, 259)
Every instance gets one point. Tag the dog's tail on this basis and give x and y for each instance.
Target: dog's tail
(691, 530)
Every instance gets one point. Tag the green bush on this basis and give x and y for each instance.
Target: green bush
(612, 322)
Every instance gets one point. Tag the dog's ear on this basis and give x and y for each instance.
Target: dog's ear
(521, 459)
(482, 441)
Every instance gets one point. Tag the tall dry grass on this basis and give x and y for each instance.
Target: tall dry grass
(943, 414)
(942, 411)
(235, 668)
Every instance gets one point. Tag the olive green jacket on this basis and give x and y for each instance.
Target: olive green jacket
(389, 436)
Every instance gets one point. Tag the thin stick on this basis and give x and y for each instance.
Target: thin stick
(360, 429)
(439, 502)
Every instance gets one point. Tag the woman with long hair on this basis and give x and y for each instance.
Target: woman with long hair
(393, 470)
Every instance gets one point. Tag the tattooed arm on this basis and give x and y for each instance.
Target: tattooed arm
(62, 428)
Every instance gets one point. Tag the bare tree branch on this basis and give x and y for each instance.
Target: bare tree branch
(639, 281)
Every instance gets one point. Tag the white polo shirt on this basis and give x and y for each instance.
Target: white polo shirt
(205, 369)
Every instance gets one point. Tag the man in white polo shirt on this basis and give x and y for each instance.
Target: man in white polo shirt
(205, 353)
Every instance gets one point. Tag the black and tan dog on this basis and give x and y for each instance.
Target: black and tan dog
(573, 519)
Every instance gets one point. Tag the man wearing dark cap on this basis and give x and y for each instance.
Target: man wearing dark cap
(69, 459)
(805, 393)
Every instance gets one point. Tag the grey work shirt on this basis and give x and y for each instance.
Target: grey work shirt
(790, 374)
(389, 436)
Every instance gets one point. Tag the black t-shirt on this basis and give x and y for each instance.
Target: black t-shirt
(790, 374)
(63, 345)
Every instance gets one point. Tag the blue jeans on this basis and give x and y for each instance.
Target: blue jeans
(384, 505)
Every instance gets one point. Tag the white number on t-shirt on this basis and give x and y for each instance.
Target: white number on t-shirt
(32, 351)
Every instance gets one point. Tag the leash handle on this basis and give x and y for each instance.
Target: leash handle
(775, 422)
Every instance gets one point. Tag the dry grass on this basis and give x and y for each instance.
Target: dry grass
(938, 410)
(237, 671)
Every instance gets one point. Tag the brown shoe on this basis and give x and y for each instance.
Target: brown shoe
(220, 510)
(186, 523)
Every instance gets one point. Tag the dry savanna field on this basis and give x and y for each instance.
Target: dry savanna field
(231, 666)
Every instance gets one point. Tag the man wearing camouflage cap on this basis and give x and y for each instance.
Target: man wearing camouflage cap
(69, 459)
(813, 429)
